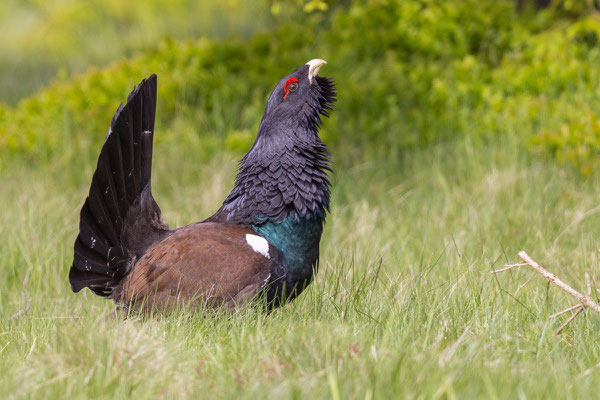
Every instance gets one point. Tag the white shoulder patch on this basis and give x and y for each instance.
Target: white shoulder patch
(259, 244)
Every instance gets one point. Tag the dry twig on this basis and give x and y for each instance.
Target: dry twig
(567, 322)
(565, 310)
(584, 301)
(507, 267)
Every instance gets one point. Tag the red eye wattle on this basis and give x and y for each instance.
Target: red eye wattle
(290, 86)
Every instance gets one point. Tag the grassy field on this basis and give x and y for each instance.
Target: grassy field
(465, 132)
(404, 304)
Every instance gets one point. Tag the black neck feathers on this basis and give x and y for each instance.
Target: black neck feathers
(285, 174)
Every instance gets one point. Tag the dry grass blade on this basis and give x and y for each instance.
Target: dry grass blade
(567, 322)
(524, 284)
(22, 311)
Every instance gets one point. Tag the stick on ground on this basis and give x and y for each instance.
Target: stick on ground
(585, 301)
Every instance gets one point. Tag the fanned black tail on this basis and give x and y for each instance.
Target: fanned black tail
(120, 218)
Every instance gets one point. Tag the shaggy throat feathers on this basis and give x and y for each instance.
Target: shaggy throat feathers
(285, 173)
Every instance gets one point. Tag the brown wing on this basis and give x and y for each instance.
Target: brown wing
(204, 263)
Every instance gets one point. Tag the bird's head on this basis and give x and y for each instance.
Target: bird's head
(298, 101)
(285, 173)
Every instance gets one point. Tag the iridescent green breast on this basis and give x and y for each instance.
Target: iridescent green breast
(297, 240)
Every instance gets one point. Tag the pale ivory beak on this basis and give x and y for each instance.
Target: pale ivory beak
(313, 68)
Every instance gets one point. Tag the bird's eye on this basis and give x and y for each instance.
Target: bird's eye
(290, 86)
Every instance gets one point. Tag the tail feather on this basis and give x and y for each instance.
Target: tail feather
(120, 218)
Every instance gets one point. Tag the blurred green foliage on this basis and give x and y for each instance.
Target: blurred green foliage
(38, 38)
(409, 74)
(575, 8)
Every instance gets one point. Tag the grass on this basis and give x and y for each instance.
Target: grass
(403, 305)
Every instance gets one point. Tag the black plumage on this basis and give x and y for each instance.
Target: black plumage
(265, 235)
(286, 171)
(120, 218)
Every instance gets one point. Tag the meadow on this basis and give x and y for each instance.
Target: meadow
(439, 179)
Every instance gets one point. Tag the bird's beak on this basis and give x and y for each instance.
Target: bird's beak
(313, 68)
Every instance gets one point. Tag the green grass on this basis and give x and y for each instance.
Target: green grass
(403, 305)
(450, 137)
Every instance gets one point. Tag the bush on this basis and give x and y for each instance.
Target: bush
(409, 73)
(47, 36)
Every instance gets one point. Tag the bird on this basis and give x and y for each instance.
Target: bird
(262, 243)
